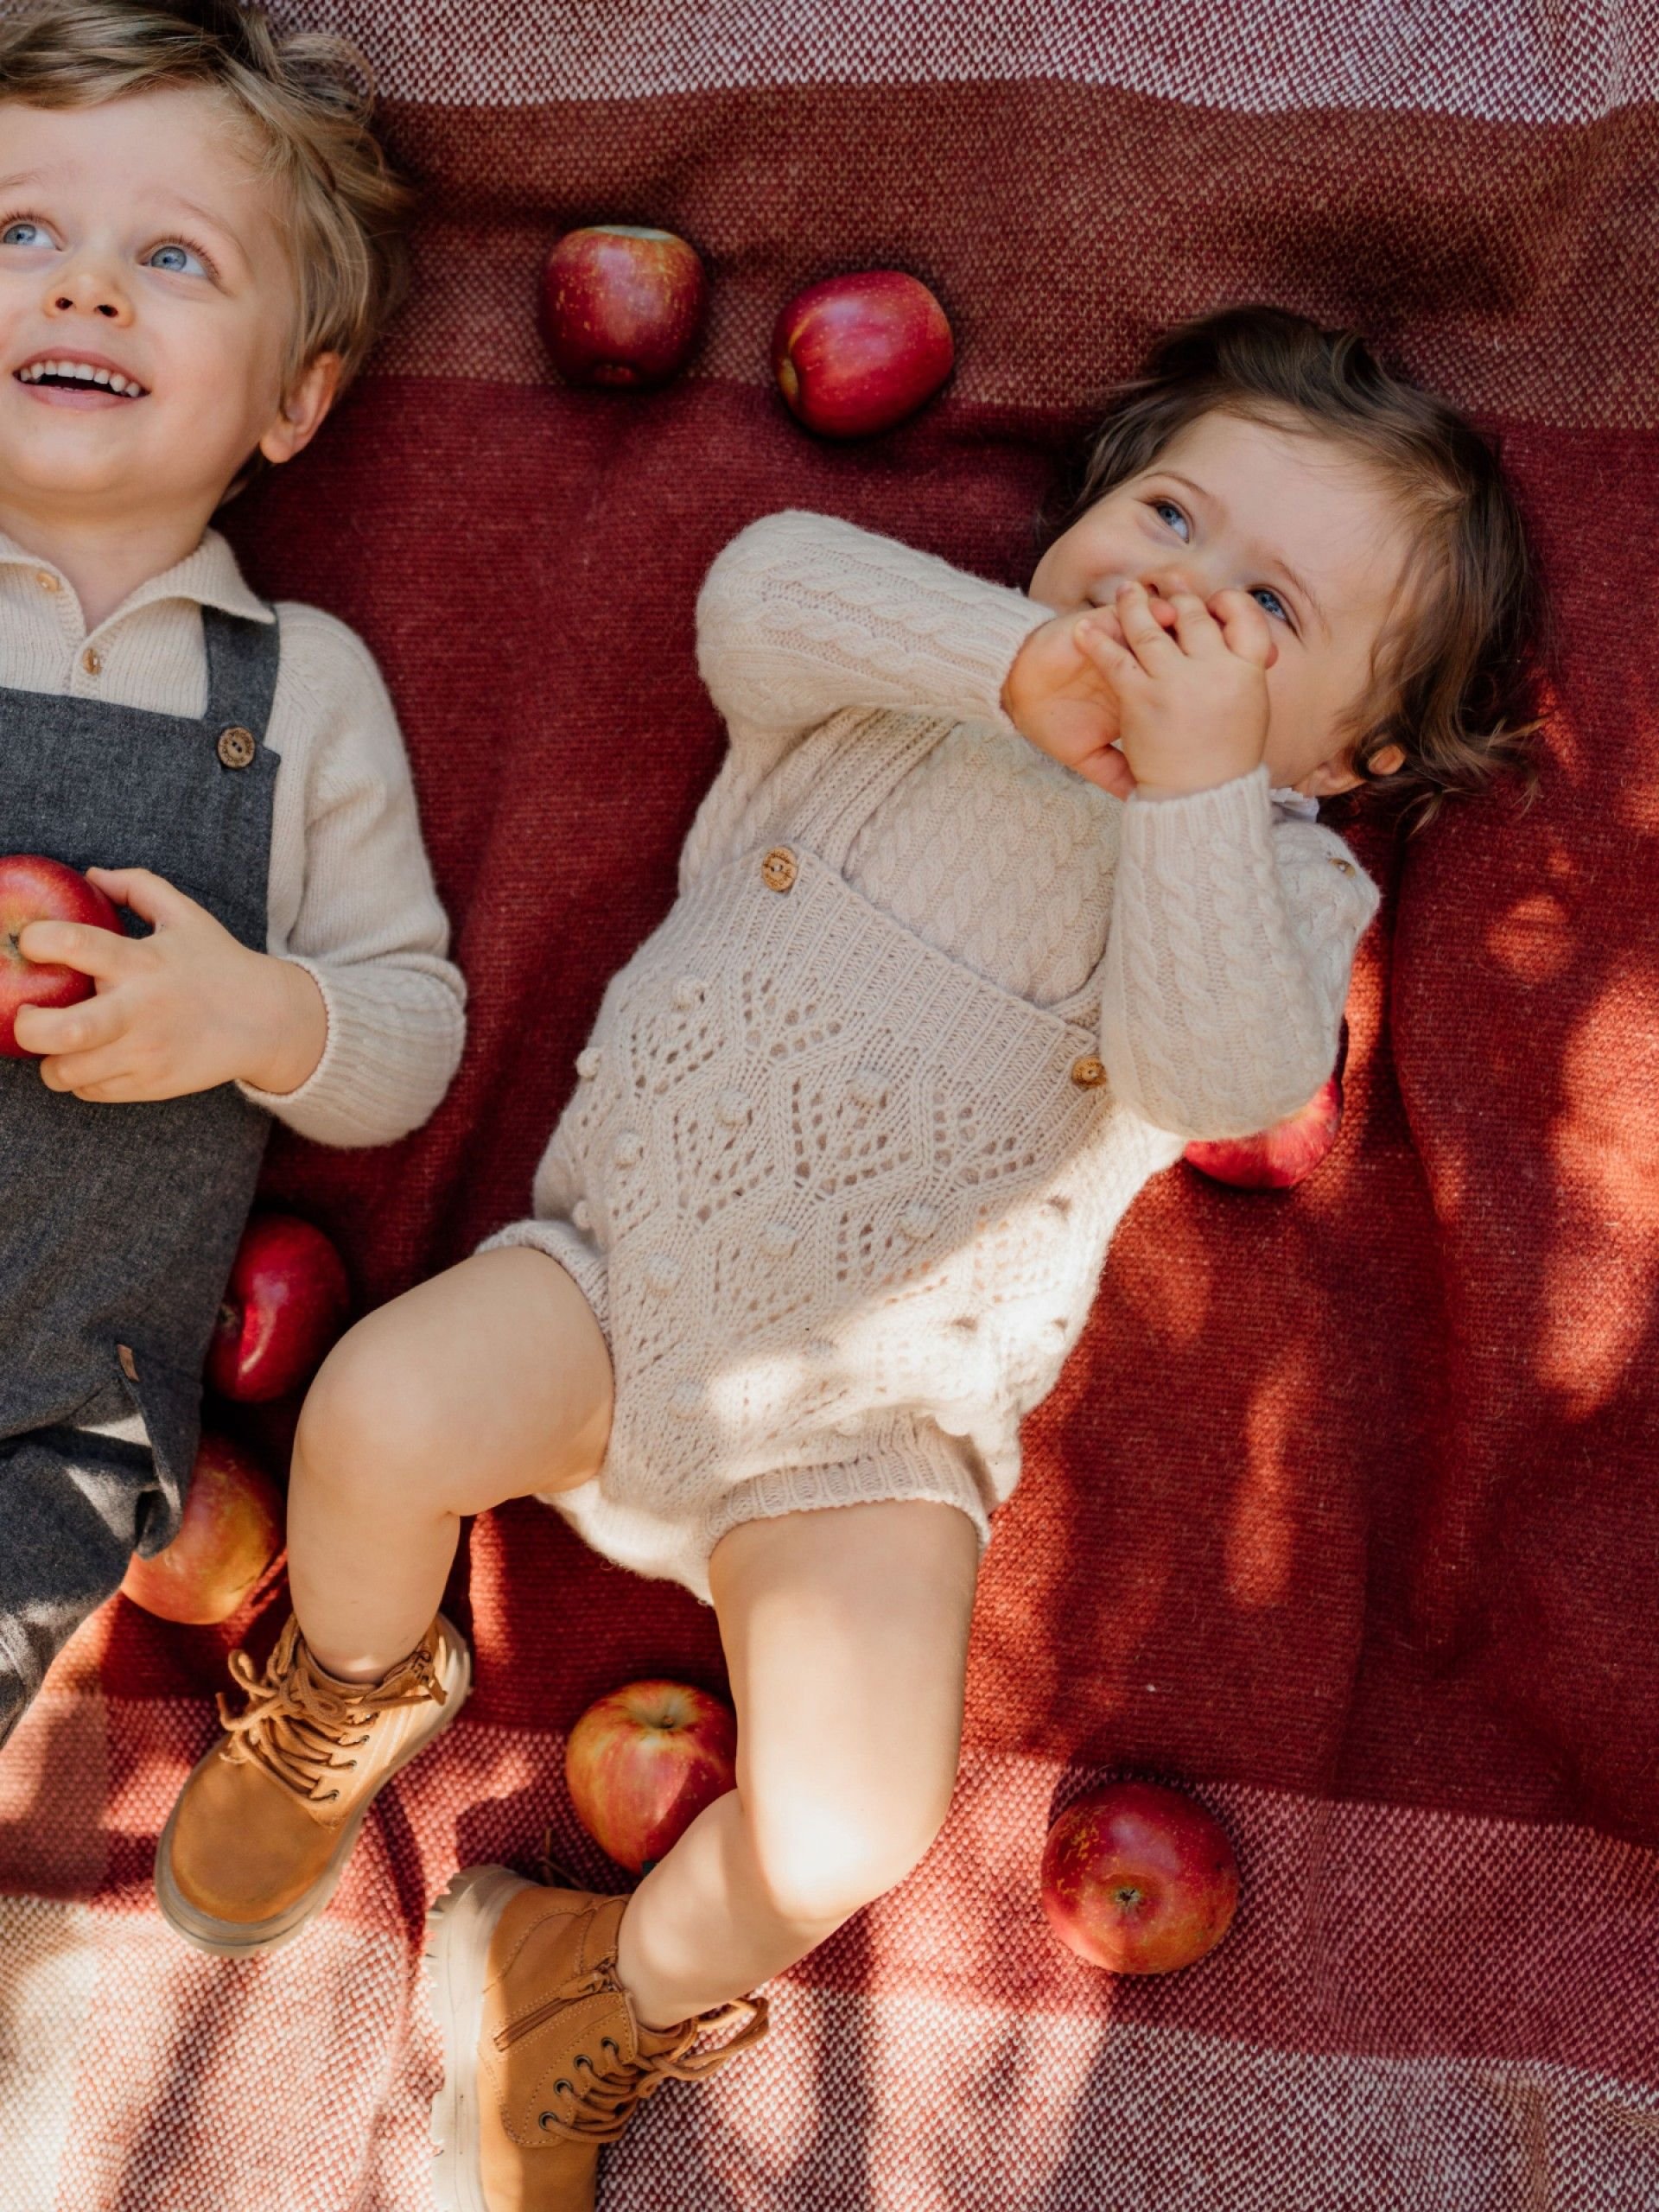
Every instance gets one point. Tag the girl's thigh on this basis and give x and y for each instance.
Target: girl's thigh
(495, 1375)
(846, 1636)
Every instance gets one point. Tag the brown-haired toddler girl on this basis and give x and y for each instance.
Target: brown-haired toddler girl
(997, 901)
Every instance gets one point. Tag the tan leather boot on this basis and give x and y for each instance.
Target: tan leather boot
(544, 2063)
(257, 1841)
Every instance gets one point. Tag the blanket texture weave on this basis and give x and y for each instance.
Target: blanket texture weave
(1344, 1514)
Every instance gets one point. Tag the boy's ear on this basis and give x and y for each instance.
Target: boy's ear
(304, 405)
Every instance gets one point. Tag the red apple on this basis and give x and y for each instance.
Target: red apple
(286, 1302)
(856, 354)
(231, 1531)
(34, 889)
(1286, 1154)
(644, 1762)
(621, 306)
(1139, 1879)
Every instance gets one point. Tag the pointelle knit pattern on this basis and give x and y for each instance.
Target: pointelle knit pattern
(855, 1125)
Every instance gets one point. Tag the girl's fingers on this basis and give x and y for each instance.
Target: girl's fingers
(1245, 628)
(1110, 770)
(1104, 651)
(1196, 628)
(1144, 634)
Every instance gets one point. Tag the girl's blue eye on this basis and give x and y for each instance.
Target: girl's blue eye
(177, 261)
(1270, 603)
(1166, 510)
(23, 234)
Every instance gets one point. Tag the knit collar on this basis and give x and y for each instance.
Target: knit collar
(208, 576)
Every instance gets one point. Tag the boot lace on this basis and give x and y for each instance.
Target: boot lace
(302, 1726)
(595, 2100)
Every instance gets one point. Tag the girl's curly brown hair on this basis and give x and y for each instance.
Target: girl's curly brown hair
(1453, 683)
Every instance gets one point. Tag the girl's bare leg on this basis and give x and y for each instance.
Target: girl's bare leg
(487, 1383)
(846, 1635)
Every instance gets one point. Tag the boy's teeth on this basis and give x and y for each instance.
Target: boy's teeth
(82, 373)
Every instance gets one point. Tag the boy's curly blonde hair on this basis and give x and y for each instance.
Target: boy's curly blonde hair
(308, 97)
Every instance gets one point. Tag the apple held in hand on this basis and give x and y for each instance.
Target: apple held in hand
(621, 306)
(856, 354)
(35, 889)
(286, 1302)
(643, 1763)
(231, 1531)
(1139, 1878)
(1286, 1154)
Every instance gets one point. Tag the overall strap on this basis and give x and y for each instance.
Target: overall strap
(242, 661)
(866, 756)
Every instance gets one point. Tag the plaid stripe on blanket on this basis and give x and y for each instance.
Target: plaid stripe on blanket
(1344, 1514)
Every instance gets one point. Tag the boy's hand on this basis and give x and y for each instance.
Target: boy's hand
(1190, 681)
(184, 1009)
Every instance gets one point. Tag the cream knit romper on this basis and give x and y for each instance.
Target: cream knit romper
(838, 1198)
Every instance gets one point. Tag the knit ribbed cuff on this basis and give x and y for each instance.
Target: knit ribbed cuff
(386, 1060)
(1003, 621)
(1169, 829)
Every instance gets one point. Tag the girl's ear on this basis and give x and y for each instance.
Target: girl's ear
(1339, 774)
(304, 405)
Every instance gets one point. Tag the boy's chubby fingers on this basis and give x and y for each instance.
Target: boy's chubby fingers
(98, 953)
(55, 1030)
(98, 1074)
(149, 896)
(1245, 629)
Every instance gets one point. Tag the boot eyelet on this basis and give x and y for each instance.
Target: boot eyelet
(546, 2120)
(569, 2088)
(605, 2043)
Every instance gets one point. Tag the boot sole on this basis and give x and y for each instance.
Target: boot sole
(460, 1926)
(239, 1939)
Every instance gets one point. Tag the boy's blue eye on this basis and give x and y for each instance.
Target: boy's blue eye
(1166, 510)
(177, 261)
(23, 234)
(1270, 602)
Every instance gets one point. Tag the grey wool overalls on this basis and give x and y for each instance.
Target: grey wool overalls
(118, 1222)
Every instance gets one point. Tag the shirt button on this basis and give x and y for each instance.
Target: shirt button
(46, 580)
(587, 1062)
(779, 870)
(1344, 868)
(91, 660)
(1088, 1073)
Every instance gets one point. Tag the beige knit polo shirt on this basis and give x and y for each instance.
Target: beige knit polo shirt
(351, 898)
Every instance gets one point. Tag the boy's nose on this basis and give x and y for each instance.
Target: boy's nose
(86, 291)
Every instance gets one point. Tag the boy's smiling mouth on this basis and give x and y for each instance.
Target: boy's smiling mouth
(80, 380)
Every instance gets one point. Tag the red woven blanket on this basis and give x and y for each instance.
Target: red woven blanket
(1344, 1513)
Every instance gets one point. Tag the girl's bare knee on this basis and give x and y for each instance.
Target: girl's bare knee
(820, 1865)
(370, 1408)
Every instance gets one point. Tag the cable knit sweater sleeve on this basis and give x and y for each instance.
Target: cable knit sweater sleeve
(802, 616)
(1232, 934)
